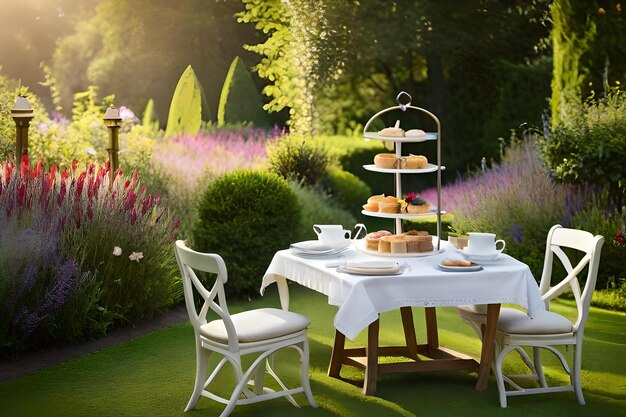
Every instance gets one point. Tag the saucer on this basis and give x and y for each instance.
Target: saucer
(475, 257)
(315, 246)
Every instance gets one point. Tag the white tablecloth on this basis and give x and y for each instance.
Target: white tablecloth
(422, 284)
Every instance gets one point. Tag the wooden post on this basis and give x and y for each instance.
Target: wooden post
(113, 120)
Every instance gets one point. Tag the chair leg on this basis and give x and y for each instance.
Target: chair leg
(306, 385)
(539, 367)
(241, 384)
(575, 374)
(499, 376)
(202, 361)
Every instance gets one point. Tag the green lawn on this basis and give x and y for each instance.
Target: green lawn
(153, 376)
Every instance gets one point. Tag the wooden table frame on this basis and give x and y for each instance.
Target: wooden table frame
(443, 358)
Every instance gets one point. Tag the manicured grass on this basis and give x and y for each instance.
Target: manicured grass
(153, 375)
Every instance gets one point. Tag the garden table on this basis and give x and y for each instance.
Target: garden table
(421, 284)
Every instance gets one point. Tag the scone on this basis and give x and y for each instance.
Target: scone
(385, 160)
(416, 162)
(395, 131)
(415, 133)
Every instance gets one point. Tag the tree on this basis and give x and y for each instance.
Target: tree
(350, 59)
(139, 48)
(589, 49)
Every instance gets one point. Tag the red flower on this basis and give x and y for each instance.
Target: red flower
(409, 197)
(80, 184)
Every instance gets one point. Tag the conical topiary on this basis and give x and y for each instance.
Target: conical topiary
(240, 101)
(189, 106)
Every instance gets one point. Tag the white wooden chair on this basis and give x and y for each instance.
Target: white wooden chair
(547, 329)
(262, 331)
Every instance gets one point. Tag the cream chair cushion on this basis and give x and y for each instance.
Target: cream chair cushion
(256, 325)
(546, 322)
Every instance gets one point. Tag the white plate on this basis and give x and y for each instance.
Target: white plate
(361, 245)
(430, 168)
(471, 268)
(323, 255)
(479, 258)
(433, 210)
(370, 268)
(317, 247)
(421, 138)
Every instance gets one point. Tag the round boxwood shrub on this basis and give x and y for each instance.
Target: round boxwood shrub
(346, 189)
(297, 158)
(246, 216)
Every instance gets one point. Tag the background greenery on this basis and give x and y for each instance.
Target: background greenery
(484, 67)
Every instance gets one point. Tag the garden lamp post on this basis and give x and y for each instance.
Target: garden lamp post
(22, 114)
(113, 121)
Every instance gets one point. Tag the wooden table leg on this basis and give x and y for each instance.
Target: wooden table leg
(432, 337)
(409, 330)
(371, 369)
(486, 355)
(336, 358)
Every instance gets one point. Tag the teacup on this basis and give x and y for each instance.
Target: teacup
(335, 235)
(484, 244)
(332, 235)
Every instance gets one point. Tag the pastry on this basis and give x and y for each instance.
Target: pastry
(423, 246)
(376, 198)
(395, 131)
(416, 162)
(372, 239)
(415, 132)
(387, 206)
(371, 207)
(384, 244)
(398, 244)
(385, 160)
(416, 233)
(414, 204)
(456, 262)
(416, 209)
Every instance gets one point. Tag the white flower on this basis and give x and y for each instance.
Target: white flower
(135, 256)
(117, 251)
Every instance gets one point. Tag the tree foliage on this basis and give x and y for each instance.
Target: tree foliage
(137, 50)
(350, 59)
(589, 49)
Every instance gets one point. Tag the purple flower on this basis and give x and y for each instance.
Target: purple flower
(516, 233)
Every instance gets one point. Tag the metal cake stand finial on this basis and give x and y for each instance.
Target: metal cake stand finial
(403, 99)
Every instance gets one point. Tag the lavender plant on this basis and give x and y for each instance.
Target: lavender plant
(183, 164)
(60, 278)
(517, 199)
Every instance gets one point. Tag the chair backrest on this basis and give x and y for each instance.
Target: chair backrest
(190, 261)
(590, 247)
